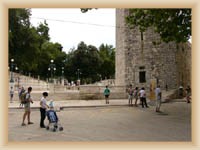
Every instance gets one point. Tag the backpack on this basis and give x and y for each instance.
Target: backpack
(23, 98)
(106, 92)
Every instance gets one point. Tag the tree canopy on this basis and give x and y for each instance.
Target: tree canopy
(31, 49)
(92, 63)
(171, 24)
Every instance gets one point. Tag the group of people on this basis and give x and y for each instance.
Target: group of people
(141, 94)
(45, 110)
(132, 94)
(137, 94)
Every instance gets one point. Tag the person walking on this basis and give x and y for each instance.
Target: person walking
(11, 94)
(27, 107)
(20, 92)
(136, 95)
(43, 107)
(188, 94)
(142, 95)
(130, 95)
(107, 94)
(158, 94)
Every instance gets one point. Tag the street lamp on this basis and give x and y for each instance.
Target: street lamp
(78, 73)
(12, 65)
(52, 67)
(63, 72)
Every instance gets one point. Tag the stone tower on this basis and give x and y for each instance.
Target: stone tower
(142, 59)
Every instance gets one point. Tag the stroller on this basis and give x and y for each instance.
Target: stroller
(54, 122)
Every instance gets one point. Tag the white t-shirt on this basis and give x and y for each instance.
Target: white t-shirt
(11, 91)
(43, 102)
(142, 93)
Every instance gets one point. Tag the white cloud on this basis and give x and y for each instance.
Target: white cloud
(69, 26)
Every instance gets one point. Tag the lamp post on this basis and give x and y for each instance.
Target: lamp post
(78, 74)
(11, 70)
(62, 81)
(52, 67)
(63, 72)
(78, 70)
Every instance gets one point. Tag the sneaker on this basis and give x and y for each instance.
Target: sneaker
(30, 122)
(23, 124)
(42, 127)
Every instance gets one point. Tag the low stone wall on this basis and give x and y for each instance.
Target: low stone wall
(96, 92)
(84, 93)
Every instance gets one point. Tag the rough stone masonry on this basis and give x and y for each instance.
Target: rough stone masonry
(145, 61)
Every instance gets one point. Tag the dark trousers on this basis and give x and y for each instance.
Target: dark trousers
(144, 102)
(43, 116)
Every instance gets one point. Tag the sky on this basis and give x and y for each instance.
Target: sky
(70, 26)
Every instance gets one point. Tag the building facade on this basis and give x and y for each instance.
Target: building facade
(143, 60)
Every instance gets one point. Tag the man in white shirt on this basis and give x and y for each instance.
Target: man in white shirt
(142, 94)
(43, 107)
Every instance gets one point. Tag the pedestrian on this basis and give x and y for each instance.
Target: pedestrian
(181, 91)
(130, 95)
(158, 94)
(136, 91)
(188, 94)
(27, 107)
(142, 95)
(11, 94)
(43, 107)
(20, 92)
(107, 94)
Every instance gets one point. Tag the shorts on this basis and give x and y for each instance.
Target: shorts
(27, 107)
(106, 96)
(130, 96)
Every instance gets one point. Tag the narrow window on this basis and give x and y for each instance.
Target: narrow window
(142, 76)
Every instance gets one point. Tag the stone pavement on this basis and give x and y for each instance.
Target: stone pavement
(94, 120)
(60, 104)
(75, 103)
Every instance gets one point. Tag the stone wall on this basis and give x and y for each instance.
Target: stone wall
(156, 61)
(89, 92)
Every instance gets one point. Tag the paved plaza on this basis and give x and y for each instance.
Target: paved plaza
(95, 121)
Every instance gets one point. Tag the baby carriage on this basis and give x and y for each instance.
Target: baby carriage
(54, 122)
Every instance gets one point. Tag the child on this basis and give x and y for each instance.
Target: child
(53, 119)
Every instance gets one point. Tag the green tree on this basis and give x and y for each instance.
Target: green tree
(23, 39)
(107, 55)
(171, 24)
(27, 41)
(87, 60)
